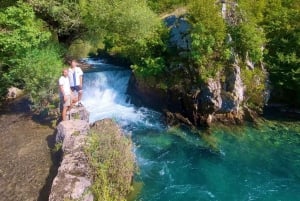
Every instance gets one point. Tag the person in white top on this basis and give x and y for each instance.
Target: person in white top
(65, 93)
(76, 77)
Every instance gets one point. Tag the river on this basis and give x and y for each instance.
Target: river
(253, 162)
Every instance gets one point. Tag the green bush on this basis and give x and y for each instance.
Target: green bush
(112, 161)
(255, 91)
(20, 32)
(208, 35)
(38, 73)
(161, 6)
(282, 27)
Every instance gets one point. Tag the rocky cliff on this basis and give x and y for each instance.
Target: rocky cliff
(223, 98)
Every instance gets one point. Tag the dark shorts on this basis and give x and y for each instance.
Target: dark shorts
(76, 88)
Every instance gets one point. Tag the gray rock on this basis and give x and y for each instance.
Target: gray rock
(73, 178)
(78, 113)
(233, 90)
(209, 99)
(179, 33)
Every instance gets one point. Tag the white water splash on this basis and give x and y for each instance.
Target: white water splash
(105, 97)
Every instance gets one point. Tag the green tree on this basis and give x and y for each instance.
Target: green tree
(29, 59)
(160, 6)
(119, 23)
(248, 37)
(282, 26)
(64, 18)
(38, 72)
(20, 31)
(208, 36)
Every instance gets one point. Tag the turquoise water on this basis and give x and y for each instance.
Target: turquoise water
(249, 163)
(259, 162)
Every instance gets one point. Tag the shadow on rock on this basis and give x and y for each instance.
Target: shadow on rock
(56, 156)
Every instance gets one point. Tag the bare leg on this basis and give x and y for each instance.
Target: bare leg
(79, 95)
(64, 113)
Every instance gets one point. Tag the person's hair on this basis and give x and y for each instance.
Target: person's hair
(69, 59)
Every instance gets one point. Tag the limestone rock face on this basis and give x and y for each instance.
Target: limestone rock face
(73, 177)
(179, 36)
(233, 90)
(106, 126)
(209, 99)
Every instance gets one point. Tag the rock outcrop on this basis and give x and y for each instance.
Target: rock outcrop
(73, 178)
(197, 105)
(188, 97)
(77, 174)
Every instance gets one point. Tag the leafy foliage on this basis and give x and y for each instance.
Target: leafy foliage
(37, 71)
(255, 93)
(282, 26)
(119, 23)
(113, 164)
(247, 36)
(27, 59)
(208, 36)
(20, 32)
(64, 17)
(160, 6)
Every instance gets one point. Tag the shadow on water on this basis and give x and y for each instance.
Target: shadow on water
(18, 106)
(281, 113)
(56, 157)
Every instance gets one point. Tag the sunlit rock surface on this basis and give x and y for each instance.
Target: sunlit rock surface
(73, 178)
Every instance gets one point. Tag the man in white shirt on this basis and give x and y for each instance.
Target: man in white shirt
(76, 76)
(65, 93)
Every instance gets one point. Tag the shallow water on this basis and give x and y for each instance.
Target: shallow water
(25, 156)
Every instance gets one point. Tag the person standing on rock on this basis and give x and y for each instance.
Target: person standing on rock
(76, 79)
(65, 93)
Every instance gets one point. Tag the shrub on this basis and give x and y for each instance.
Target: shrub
(38, 72)
(255, 82)
(112, 161)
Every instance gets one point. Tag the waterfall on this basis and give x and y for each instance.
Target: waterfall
(105, 96)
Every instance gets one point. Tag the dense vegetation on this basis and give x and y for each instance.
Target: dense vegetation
(36, 34)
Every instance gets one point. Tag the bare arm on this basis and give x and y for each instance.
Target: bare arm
(61, 88)
(80, 78)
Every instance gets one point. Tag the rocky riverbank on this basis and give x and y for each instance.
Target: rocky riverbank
(97, 162)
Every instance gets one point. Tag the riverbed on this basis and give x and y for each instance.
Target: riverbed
(25, 154)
